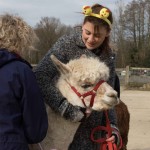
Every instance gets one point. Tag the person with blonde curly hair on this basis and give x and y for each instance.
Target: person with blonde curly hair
(23, 117)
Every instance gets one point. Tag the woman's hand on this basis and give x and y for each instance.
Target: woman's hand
(111, 139)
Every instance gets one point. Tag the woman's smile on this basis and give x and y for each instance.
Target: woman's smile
(92, 39)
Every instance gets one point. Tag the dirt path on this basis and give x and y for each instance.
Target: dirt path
(138, 103)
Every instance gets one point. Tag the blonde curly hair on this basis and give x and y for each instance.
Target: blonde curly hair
(15, 34)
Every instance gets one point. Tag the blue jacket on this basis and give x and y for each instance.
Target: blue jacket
(23, 117)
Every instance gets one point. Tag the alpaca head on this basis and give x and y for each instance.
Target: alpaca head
(79, 77)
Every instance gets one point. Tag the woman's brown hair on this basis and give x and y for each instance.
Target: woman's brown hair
(97, 24)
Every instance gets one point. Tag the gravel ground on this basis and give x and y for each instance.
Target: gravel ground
(138, 103)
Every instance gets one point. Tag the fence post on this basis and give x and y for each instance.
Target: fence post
(127, 76)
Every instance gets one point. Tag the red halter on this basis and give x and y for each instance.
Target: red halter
(92, 92)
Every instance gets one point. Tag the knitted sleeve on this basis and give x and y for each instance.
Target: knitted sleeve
(47, 75)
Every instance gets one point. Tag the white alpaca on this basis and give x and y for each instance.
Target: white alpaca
(83, 74)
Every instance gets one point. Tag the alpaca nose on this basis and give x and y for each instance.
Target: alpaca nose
(114, 95)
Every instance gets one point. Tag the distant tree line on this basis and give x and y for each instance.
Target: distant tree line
(48, 30)
(130, 34)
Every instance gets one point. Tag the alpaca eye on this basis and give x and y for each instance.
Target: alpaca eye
(85, 86)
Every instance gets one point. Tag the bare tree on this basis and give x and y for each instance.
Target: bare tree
(118, 34)
(133, 32)
(48, 31)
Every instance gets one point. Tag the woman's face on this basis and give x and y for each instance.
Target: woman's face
(92, 39)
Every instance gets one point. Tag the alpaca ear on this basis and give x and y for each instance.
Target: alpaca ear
(61, 67)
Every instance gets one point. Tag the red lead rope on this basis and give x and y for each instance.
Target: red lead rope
(104, 144)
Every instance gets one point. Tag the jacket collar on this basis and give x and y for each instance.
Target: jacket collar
(7, 57)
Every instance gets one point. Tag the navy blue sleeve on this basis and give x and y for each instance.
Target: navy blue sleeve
(35, 120)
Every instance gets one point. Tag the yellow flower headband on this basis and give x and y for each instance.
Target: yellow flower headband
(103, 14)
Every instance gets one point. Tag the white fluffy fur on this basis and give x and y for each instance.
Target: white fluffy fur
(77, 73)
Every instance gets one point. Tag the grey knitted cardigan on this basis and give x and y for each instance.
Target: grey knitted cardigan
(66, 48)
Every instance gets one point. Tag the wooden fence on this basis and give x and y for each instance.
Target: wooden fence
(134, 77)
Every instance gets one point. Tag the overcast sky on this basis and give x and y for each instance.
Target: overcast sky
(65, 10)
